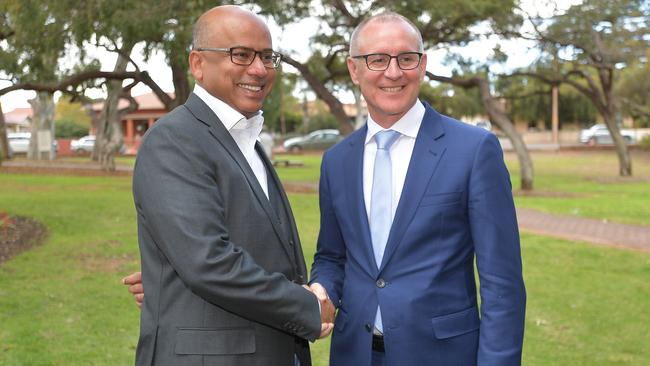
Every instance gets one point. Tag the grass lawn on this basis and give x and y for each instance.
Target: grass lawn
(587, 184)
(62, 303)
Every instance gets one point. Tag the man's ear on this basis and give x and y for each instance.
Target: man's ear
(352, 68)
(423, 66)
(196, 65)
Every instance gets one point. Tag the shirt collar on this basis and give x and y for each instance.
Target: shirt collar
(408, 125)
(227, 114)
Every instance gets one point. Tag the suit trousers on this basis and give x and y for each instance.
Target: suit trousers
(378, 358)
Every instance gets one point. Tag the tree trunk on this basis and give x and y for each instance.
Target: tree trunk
(499, 117)
(622, 151)
(4, 144)
(335, 106)
(110, 137)
(360, 118)
(41, 126)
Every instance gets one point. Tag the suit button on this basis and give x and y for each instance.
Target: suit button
(381, 283)
(368, 327)
(290, 242)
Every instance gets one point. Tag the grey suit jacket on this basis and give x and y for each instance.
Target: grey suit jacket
(221, 265)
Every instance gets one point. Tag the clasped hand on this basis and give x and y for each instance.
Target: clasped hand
(327, 310)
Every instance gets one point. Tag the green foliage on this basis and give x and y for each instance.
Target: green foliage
(530, 101)
(71, 111)
(69, 129)
(281, 102)
(321, 121)
(617, 31)
(645, 143)
(453, 101)
(633, 88)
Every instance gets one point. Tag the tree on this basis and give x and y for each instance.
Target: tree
(28, 58)
(499, 117)
(530, 100)
(590, 42)
(633, 89)
(440, 22)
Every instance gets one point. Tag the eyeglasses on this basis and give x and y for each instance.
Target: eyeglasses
(245, 56)
(381, 61)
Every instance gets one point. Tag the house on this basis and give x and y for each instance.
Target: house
(18, 120)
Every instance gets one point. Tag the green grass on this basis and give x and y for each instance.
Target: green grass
(308, 172)
(587, 305)
(62, 303)
(587, 184)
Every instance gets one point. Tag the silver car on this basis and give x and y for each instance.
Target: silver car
(599, 134)
(84, 144)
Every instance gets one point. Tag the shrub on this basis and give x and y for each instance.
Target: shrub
(645, 142)
(69, 129)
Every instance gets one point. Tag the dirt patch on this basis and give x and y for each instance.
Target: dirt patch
(618, 179)
(85, 172)
(300, 187)
(18, 234)
(548, 194)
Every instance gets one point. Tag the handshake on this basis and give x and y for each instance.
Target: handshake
(327, 310)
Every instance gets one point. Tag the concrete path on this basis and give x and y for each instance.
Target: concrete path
(568, 227)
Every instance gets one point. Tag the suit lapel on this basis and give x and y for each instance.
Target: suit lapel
(353, 168)
(427, 152)
(204, 114)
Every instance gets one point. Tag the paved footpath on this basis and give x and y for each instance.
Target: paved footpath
(568, 227)
(583, 229)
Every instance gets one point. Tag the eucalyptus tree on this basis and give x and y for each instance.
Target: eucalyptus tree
(32, 44)
(590, 43)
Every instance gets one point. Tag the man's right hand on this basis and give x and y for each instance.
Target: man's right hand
(327, 310)
(134, 281)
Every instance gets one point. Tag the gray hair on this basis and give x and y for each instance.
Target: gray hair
(385, 17)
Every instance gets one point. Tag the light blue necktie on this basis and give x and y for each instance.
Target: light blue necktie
(380, 200)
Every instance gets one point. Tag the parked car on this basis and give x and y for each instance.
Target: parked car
(599, 134)
(84, 144)
(18, 142)
(485, 124)
(317, 140)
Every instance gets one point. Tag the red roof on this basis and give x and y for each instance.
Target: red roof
(146, 102)
(18, 115)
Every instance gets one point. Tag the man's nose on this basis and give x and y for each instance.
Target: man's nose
(257, 67)
(393, 71)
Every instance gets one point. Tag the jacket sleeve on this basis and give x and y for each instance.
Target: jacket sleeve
(329, 261)
(182, 208)
(495, 235)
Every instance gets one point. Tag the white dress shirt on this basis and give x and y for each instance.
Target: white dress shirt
(244, 131)
(400, 153)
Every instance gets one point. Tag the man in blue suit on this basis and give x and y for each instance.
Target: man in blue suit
(407, 203)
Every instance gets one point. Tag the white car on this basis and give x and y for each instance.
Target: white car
(599, 134)
(84, 144)
(18, 142)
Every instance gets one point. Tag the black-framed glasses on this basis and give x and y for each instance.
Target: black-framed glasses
(381, 61)
(245, 56)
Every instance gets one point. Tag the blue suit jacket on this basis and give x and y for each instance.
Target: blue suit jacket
(456, 205)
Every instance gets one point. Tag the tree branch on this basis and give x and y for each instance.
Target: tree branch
(74, 81)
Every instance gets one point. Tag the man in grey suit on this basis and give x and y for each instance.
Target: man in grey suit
(222, 266)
